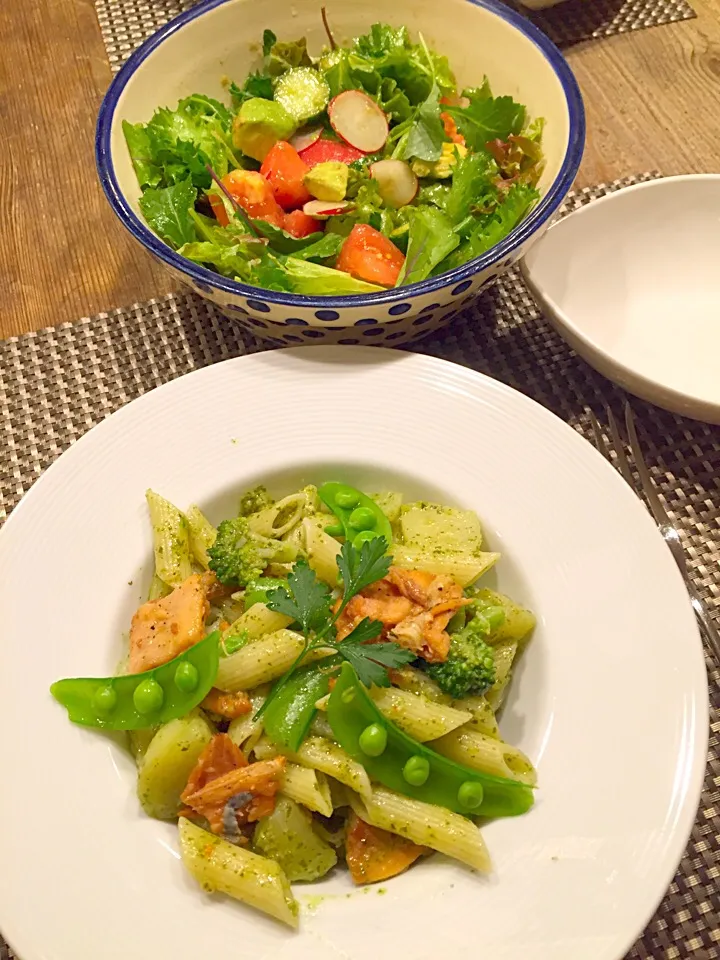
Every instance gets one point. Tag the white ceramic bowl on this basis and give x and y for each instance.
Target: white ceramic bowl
(609, 701)
(632, 282)
(196, 49)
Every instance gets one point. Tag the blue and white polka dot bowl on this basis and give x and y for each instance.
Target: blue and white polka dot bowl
(218, 38)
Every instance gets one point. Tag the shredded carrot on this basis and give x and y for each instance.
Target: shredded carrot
(373, 854)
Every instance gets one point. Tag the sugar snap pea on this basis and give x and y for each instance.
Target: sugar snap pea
(397, 761)
(139, 700)
(360, 518)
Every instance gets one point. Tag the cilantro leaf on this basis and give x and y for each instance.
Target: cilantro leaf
(256, 86)
(167, 210)
(308, 602)
(360, 568)
(371, 661)
(486, 117)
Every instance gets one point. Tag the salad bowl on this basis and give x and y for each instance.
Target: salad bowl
(219, 40)
(609, 700)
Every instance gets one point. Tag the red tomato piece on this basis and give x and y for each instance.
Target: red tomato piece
(284, 170)
(253, 193)
(368, 255)
(299, 224)
(323, 151)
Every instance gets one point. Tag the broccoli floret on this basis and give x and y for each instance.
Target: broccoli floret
(470, 666)
(239, 555)
(256, 499)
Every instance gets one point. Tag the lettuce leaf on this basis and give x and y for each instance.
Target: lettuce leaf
(177, 144)
(431, 239)
(168, 212)
(426, 135)
(487, 118)
(313, 278)
(494, 227)
(472, 185)
(328, 245)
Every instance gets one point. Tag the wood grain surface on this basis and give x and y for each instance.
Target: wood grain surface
(651, 95)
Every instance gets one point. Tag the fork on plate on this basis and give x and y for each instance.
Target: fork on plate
(708, 629)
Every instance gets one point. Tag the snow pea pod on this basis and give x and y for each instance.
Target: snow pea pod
(360, 518)
(139, 700)
(290, 713)
(397, 761)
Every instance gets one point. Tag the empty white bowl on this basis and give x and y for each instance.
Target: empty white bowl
(632, 282)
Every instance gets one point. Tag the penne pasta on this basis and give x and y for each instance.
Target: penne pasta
(202, 535)
(308, 787)
(325, 756)
(322, 549)
(462, 566)
(434, 525)
(256, 622)
(279, 519)
(488, 754)
(158, 588)
(171, 540)
(223, 867)
(415, 715)
(259, 662)
(504, 654)
(245, 731)
(424, 824)
(390, 504)
(482, 715)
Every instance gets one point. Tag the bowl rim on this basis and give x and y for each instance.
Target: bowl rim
(204, 277)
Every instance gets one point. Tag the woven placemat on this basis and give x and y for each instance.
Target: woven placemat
(126, 23)
(57, 383)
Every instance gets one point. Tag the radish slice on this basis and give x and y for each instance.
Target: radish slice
(397, 184)
(306, 138)
(324, 208)
(356, 118)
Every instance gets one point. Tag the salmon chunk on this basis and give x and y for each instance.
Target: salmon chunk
(162, 629)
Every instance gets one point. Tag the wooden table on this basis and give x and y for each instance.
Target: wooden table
(652, 100)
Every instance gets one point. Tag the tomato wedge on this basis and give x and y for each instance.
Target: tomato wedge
(284, 170)
(324, 150)
(253, 193)
(368, 255)
(300, 225)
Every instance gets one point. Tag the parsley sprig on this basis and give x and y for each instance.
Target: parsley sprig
(309, 603)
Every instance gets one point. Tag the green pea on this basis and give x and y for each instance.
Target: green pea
(105, 701)
(346, 499)
(363, 537)
(416, 771)
(470, 795)
(348, 695)
(148, 696)
(362, 518)
(373, 740)
(186, 677)
(335, 530)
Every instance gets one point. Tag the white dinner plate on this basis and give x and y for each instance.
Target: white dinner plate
(610, 701)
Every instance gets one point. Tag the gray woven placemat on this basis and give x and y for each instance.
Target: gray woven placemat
(126, 23)
(57, 383)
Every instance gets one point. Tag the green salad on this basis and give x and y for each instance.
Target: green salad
(358, 171)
